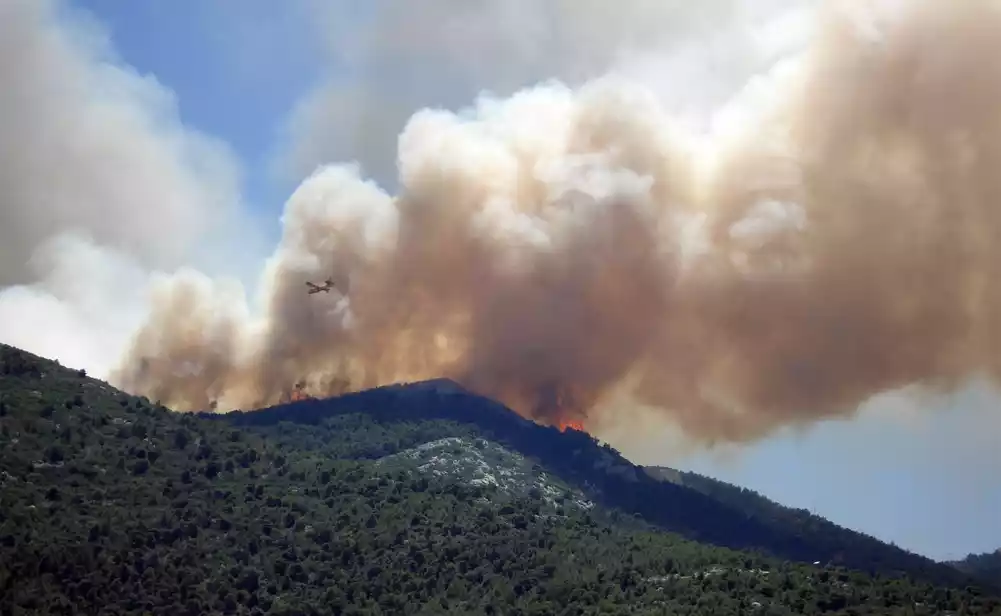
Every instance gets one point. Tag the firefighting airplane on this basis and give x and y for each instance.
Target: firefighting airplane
(325, 287)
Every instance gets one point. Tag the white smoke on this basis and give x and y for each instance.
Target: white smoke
(99, 184)
(439, 53)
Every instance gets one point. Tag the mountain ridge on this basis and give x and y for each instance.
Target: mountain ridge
(376, 503)
(985, 566)
(609, 477)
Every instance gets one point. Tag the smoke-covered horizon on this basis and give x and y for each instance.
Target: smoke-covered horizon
(579, 251)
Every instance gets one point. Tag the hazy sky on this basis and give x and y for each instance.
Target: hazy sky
(286, 86)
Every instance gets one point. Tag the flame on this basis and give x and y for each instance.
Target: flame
(569, 424)
(299, 393)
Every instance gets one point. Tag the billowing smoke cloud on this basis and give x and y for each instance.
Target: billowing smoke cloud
(404, 56)
(99, 184)
(580, 251)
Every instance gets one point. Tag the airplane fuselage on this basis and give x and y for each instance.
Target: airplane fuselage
(315, 288)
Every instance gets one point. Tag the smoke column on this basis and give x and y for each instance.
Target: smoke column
(577, 251)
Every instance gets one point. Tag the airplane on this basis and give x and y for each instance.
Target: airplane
(325, 287)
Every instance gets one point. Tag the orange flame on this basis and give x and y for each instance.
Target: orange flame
(569, 424)
(299, 393)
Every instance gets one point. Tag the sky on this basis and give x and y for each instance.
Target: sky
(278, 89)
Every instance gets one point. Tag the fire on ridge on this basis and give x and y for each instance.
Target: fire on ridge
(299, 392)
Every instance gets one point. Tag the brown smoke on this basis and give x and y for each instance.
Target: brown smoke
(575, 251)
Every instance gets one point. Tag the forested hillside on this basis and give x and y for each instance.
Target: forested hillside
(985, 566)
(698, 513)
(800, 522)
(111, 504)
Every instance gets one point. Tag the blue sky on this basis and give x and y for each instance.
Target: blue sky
(213, 56)
(925, 480)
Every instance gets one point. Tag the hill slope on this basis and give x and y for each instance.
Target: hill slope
(833, 538)
(986, 567)
(699, 512)
(111, 504)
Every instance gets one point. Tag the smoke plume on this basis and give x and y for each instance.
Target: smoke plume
(405, 56)
(577, 251)
(99, 184)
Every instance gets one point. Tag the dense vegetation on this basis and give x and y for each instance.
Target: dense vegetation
(110, 504)
(720, 516)
(985, 566)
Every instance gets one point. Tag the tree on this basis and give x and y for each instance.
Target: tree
(181, 438)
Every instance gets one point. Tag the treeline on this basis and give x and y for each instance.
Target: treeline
(986, 566)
